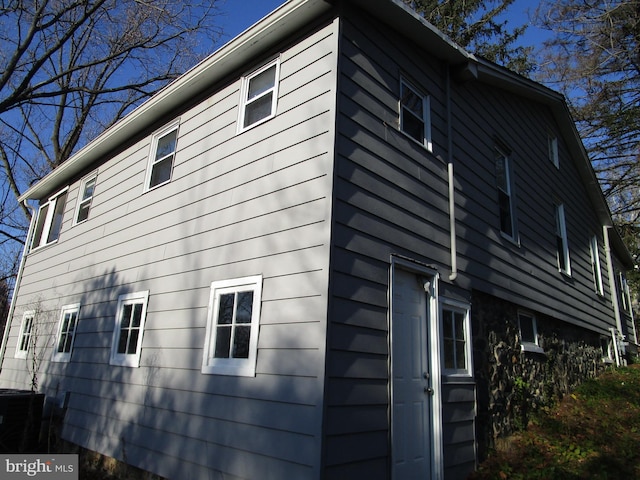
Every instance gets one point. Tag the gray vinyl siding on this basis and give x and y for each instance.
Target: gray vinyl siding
(527, 273)
(237, 205)
(391, 197)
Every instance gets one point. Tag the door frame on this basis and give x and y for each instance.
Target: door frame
(431, 275)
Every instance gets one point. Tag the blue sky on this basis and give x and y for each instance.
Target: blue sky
(238, 15)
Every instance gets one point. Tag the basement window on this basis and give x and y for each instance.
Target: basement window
(528, 333)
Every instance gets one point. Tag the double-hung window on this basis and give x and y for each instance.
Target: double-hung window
(49, 221)
(562, 241)
(129, 327)
(26, 336)
(505, 200)
(415, 115)
(552, 142)
(456, 349)
(595, 265)
(259, 95)
(231, 340)
(162, 156)
(624, 292)
(87, 187)
(66, 333)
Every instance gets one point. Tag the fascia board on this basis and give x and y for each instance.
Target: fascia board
(275, 27)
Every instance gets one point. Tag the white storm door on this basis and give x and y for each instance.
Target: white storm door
(412, 393)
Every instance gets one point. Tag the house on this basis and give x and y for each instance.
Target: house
(339, 247)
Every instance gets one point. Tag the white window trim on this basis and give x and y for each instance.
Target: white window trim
(128, 359)
(23, 353)
(552, 142)
(80, 201)
(513, 236)
(63, 356)
(48, 221)
(245, 367)
(562, 224)
(624, 292)
(595, 266)
(244, 92)
(607, 357)
(527, 346)
(152, 155)
(426, 114)
(465, 308)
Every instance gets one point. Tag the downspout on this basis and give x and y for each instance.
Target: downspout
(14, 295)
(452, 190)
(613, 287)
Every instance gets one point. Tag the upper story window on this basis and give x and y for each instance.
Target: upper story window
(415, 115)
(66, 333)
(231, 341)
(624, 292)
(259, 95)
(87, 187)
(528, 328)
(49, 221)
(161, 157)
(595, 265)
(456, 349)
(27, 335)
(505, 200)
(562, 241)
(553, 150)
(129, 327)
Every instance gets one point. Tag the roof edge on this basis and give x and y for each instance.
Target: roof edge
(271, 29)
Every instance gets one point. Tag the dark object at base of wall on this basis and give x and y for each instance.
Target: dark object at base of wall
(20, 418)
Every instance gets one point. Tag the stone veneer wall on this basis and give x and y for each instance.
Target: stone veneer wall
(511, 383)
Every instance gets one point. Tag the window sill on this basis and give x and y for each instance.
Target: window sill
(428, 146)
(515, 241)
(566, 274)
(457, 379)
(229, 370)
(42, 247)
(531, 348)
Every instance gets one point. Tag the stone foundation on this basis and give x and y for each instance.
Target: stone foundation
(512, 383)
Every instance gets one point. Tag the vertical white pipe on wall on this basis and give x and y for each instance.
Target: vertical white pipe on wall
(12, 306)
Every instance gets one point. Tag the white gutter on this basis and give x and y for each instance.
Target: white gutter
(452, 223)
(614, 340)
(452, 188)
(14, 295)
(612, 279)
(234, 55)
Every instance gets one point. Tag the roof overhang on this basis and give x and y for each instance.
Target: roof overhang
(280, 25)
(274, 28)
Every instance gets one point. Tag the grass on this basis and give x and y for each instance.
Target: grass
(592, 433)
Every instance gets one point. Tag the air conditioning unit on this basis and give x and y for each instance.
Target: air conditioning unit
(20, 418)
